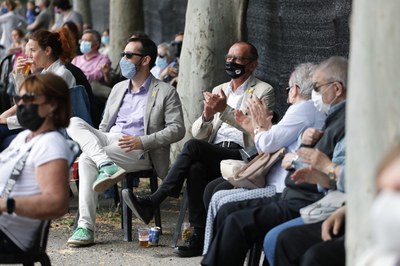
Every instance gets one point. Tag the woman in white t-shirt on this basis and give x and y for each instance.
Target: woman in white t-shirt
(41, 189)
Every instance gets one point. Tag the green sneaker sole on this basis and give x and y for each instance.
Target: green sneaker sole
(80, 243)
(104, 183)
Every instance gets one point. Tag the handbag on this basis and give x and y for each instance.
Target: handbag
(322, 209)
(252, 175)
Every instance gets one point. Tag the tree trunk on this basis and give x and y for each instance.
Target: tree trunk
(373, 110)
(83, 7)
(212, 26)
(126, 16)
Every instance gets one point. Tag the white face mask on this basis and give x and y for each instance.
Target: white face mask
(318, 103)
(385, 218)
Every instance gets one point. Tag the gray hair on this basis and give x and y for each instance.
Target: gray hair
(335, 69)
(95, 33)
(168, 47)
(302, 76)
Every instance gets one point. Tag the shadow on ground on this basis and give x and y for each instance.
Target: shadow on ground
(110, 249)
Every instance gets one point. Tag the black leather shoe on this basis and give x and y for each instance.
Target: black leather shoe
(192, 248)
(142, 207)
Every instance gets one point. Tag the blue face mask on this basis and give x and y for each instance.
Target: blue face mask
(4, 9)
(128, 69)
(105, 40)
(161, 62)
(85, 47)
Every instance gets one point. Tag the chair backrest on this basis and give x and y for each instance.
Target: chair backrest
(6, 66)
(80, 103)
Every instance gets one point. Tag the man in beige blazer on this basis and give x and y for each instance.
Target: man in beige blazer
(142, 117)
(217, 137)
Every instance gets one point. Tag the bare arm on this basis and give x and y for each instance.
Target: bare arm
(7, 113)
(52, 178)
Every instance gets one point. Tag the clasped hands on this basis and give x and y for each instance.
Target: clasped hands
(130, 143)
(213, 103)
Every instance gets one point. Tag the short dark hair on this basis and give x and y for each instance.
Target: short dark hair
(62, 4)
(148, 48)
(54, 88)
(253, 50)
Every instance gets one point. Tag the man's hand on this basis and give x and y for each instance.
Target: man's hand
(311, 136)
(213, 103)
(311, 176)
(315, 158)
(130, 143)
(333, 224)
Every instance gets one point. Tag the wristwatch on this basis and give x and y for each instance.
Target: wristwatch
(332, 174)
(294, 161)
(10, 205)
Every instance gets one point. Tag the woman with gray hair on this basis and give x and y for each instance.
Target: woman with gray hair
(268, 138)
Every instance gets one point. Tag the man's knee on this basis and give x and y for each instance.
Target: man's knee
(192, 144)
(227, 209)
(74, 124)
(312, 257)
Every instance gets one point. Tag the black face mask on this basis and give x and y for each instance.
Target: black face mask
(234, 70)
(28, 116)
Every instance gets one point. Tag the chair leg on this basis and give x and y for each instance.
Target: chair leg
(126, 212)
(153, 188)
(44, 260)
(117, 199)
(181, 217)
(255, 255)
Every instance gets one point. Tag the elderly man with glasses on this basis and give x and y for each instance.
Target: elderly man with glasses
(217, 137)
(142, 117)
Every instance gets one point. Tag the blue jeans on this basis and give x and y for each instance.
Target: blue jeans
(272, 236)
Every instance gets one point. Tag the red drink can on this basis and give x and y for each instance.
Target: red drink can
(74, 175)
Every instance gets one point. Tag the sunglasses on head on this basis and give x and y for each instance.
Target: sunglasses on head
(27, 97)
(129, 55)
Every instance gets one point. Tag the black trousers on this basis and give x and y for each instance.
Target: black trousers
(238, 225)
(199, 163)
(302, 245)
(7, 245)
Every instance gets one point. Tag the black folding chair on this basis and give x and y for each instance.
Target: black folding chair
(6, 66)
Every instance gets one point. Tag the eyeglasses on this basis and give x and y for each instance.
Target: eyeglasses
(26, 98)
(288, 88)
(129, 55)
(317, 88)
(229, 57)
